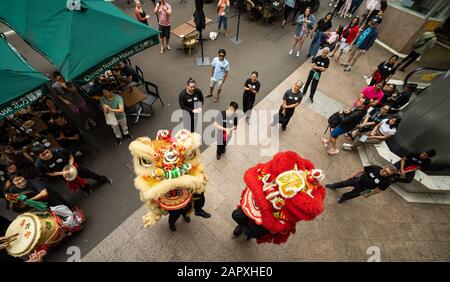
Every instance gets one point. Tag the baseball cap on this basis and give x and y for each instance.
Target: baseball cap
(38, 149)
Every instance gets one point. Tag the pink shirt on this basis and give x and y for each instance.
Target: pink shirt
(164, 19)
(370, 93)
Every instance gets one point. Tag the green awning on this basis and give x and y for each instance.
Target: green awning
(20, 84)
(81, 44)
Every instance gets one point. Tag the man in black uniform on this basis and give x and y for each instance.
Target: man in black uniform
(34, 190)
(408, 165)
(291, 99)
(52, 161)
(225, 123)
(66, 133)
(319, 65)
(370, 180)
(191, 102)
(251, 87)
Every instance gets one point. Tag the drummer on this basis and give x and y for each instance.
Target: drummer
(26, 187)
(51, 162)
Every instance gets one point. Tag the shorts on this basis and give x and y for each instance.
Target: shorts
(164, 31)
(335, 133)
(213, 82)
(343, 44)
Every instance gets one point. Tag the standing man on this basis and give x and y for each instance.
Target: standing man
(424, 42)
(251, 87)
(362, 43)
(163, 11)
(113, 104)
(51, 162)
(219, 74)
(319, 65)
(291, 99)
(68, 93)
(225, 123)
(369, 181)
(191, 102)
(408, 165)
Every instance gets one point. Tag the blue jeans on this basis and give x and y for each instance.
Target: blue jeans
(355, 5)
(224, 20)
(315, 44)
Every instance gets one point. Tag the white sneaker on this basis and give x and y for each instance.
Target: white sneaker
(290, 52)
(298, 54)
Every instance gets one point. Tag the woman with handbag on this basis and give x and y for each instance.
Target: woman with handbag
(319, 65)
(223, 10)
(346, 39)
(305, 24)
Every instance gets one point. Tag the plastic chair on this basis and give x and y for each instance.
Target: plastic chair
(153, 95)
(190, 41)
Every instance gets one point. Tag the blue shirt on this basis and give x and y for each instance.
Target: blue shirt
(362, 37)
(290, 3)
(220, 68)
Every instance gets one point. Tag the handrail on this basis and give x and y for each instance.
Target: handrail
(405, 81)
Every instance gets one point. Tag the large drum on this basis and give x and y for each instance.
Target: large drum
(175, 199)
(36, 231)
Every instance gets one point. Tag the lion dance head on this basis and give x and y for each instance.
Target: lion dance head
(169, 171)
(282, 192)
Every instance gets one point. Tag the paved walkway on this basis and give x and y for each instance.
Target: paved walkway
(401, 230)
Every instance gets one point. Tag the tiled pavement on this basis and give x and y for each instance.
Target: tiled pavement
(402, 231)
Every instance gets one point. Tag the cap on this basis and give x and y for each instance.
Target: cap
(375, 20)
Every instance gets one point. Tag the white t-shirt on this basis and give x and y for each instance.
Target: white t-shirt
(386, 129)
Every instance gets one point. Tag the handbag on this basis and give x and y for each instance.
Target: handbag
(316, 75)
(111, 119)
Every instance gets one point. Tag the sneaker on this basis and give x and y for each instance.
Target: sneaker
(129, 137)
(366, 77)
(348, 68)
(168, 47)
(78, 154)
(333, 151)
(283, 128)
(202, 213)
(218, 156)
(325, 142)
(187, 218)
(172, 227)
(340, 200)
(108, 180)
(298, 54)
(118, 141)
(345, 64)
(347, 146)
(238, 231)
(309, 55)
(290, 52)
(311, 99)
(330, 186)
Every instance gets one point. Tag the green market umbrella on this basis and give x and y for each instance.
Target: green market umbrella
(20, 84)
(82, 44)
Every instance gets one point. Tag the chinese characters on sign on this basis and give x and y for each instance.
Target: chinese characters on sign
(19, 103)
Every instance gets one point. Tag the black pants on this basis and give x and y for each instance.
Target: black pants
(283, 119)
(251, 230)
(287, 11)
(408, 60)
(199, 203)
(313, 83)
(86, 173)
(339, 6)
(55, 199)
(221, 145)
(354, 182)
(248, 100)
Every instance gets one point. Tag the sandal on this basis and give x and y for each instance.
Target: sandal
(325, 142)
(333, 151)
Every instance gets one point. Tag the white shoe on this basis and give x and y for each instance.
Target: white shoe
(298, 54)
(290, 52)
(347, 146)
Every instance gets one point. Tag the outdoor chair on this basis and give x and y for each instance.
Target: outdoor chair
(140, 74)
(190, 41)
(153, 95)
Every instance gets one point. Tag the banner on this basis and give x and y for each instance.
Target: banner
(21, 102)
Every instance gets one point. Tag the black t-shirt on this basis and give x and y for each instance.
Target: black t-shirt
(402, 99)
(323, 26)
(321, 62)
(292, 98)
(413, 161)
(32, 186)
(249, 84)
(386, 69)
(372, 179)
(227, 122)
(189, 102)
(129, 71)
(68, 129)
(59, 160)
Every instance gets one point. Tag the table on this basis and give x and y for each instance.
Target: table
(183, 30)
(132, 97)
(39, 125)
(192, 23)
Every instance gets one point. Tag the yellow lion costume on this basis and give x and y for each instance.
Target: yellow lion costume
(169, 172)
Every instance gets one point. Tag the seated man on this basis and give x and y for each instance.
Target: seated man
(126, 76)
(34, 190)
(67, 135)
(408, 165)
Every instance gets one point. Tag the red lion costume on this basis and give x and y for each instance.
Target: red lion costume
(280, 193)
